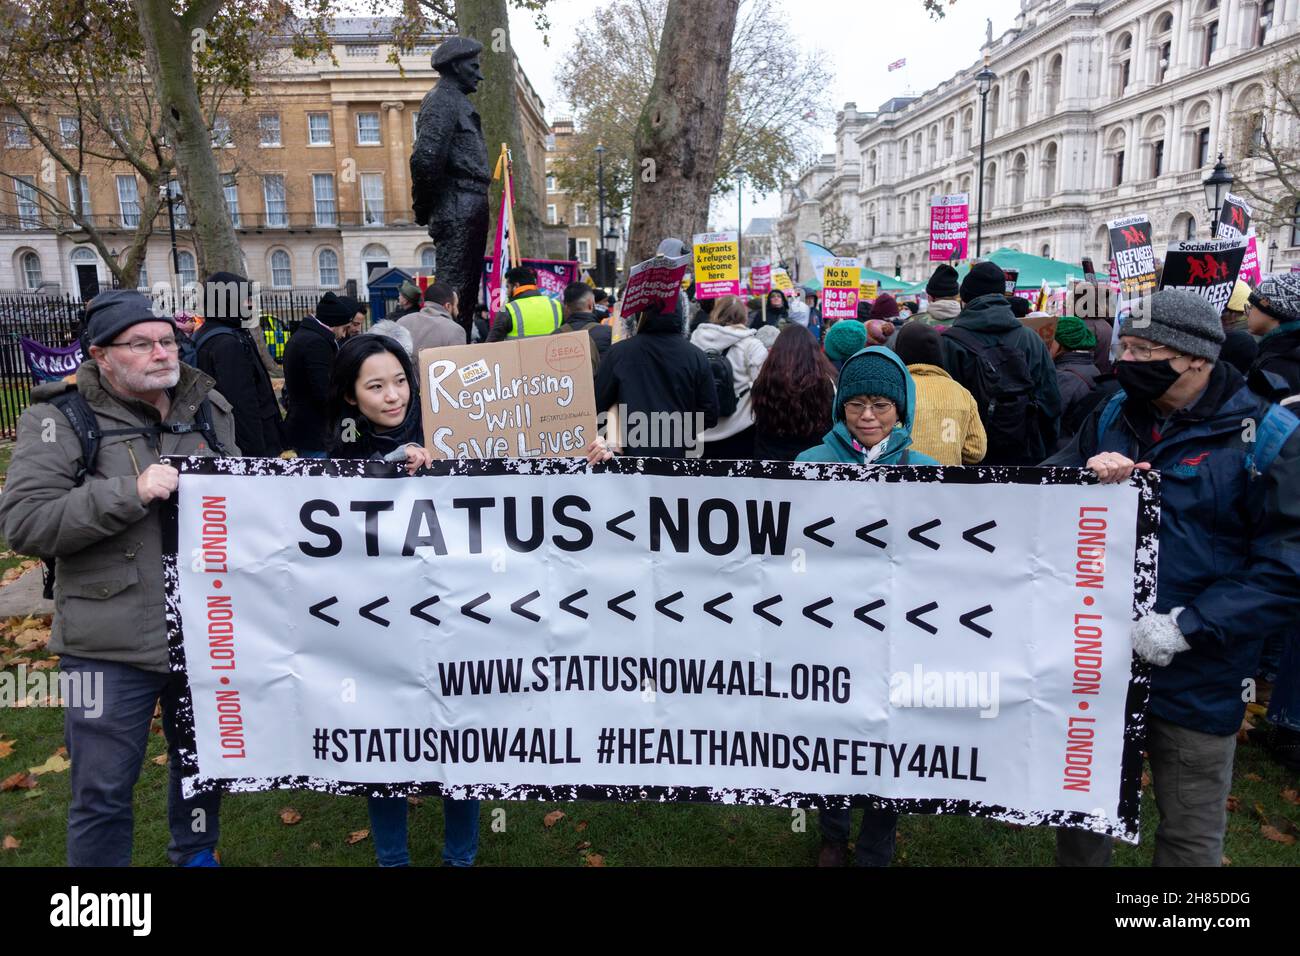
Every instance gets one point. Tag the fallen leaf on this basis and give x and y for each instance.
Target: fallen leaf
(1286, 826)
(356, 836)
(1291, 796)
(15, 661)
(160, 760)
(1226, 861)
(46, 665)
(1259, 812)
(56, 764)
(289, 816)
(33, 794)
(1234, 803)
(18, 781)
(6, 748)
(584, 845)
(1276, 835)
(1146, 779)
(1256, 710)
(10, 842)
(580, 825)
(414, 801)
(62, 751)
(552, 818)
(595, 859)
(1254, 778)
(314, 845)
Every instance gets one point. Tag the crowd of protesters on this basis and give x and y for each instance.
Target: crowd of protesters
(954, 377)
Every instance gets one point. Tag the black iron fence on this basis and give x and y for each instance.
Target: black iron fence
(53, 321)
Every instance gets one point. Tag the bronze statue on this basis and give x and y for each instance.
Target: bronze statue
(449, 171)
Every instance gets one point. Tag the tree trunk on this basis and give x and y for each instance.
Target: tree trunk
(498, 106)
(680, 128)
(168, 38)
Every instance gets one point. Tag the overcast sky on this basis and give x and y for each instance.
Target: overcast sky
(858, 41)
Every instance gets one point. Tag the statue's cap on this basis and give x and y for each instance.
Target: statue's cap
(455, 48)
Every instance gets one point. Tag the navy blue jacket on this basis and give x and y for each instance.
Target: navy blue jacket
(1229, 537)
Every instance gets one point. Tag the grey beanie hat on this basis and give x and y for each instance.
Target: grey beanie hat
(1182, 320)
(113, 311)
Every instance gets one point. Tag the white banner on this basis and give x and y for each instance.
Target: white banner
(934, 640)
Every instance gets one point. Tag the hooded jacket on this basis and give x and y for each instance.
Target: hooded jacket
(838, 444)
(990, 319)
(107, 547)
(657, 371)
(1076, 377)
(234, 363)
(308, 358)
(1229, 539)
(432, 327)
(746, 355)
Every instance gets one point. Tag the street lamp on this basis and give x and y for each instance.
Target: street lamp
(1272, 255)
(1217, 185)
(983, 83)
(171, 226)
(740, 228)
(600, 189)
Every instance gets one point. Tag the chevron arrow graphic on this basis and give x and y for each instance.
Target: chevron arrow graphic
(568, 605)
(615, 605)
(662, 606)
(811, 610)
(917, 534)
(865, 532)
(862, 614)
(518, 606)
(318, 611)
(812, 529)
(712, 607)
(914, 616)
(417, 610)
(468, 609)
(972, 535)
(968, 619)
(761, 609)
(368, 612)
(613, 525)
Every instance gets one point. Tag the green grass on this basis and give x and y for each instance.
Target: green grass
(623, 834)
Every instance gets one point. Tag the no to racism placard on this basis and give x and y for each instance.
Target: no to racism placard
(840, 288)
(654, 283)
(949, 226)
(1234, 218)
(931, 640)
(1134, 257)
(522, 398)
(1207, 268)
(717, 265)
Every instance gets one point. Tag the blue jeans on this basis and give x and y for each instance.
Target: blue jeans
(107, 750)
(1284, 705)
(388, 830)
(875, 846)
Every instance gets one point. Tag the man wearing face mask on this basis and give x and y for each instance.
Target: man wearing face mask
(1229, 569)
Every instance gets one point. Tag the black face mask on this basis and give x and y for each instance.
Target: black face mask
(1146, 380)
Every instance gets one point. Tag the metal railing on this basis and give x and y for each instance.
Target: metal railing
(54, 321)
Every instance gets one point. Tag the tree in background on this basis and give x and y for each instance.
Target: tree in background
(1267, 148)
(775, 99)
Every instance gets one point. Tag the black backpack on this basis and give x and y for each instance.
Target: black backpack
(1004, 392)
(724, 381)
(81, 418)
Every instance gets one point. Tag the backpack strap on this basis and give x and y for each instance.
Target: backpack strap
(1274, 431)
(1110, 413)
(81, 418)
(966, 338)
(211, 331)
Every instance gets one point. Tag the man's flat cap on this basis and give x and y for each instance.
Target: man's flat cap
(455, 48)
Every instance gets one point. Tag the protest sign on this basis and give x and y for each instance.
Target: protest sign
(552, 276)
(48, 364)
(868, 290)
(522, 398)
(1251, 272)
(1234, 218)
(654, 283)
(639, 633)
(717, 265)
(781, 279)
(1134, 258)
(840, 288)
(1207, 268)
(1043, 325)
(949, 226)
(760, 277)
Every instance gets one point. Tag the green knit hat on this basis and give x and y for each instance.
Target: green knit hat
(845, 338)
(1073, 336)
(872, 374)
(410, 290)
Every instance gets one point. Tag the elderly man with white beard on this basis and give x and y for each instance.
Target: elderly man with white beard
(84, 492)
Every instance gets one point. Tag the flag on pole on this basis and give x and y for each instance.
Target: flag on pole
(505, 247)
(897, 65)
(1044, 295)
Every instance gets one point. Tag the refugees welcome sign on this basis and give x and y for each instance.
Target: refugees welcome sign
(933, 640)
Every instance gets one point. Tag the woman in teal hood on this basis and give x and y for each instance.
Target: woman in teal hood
(872, 416)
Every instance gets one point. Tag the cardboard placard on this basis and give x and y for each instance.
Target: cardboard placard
(522, 398)
(1044, 325)
(717, 265)
(1207, 268)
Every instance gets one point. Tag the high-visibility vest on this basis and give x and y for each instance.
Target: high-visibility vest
(533, 315)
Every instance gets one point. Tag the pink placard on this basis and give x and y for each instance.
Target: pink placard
(760, 278)
(654, 283)
(1250, 270)
(949, 227)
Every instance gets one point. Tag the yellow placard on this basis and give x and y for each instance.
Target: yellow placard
(841, 277)
(869, 290)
